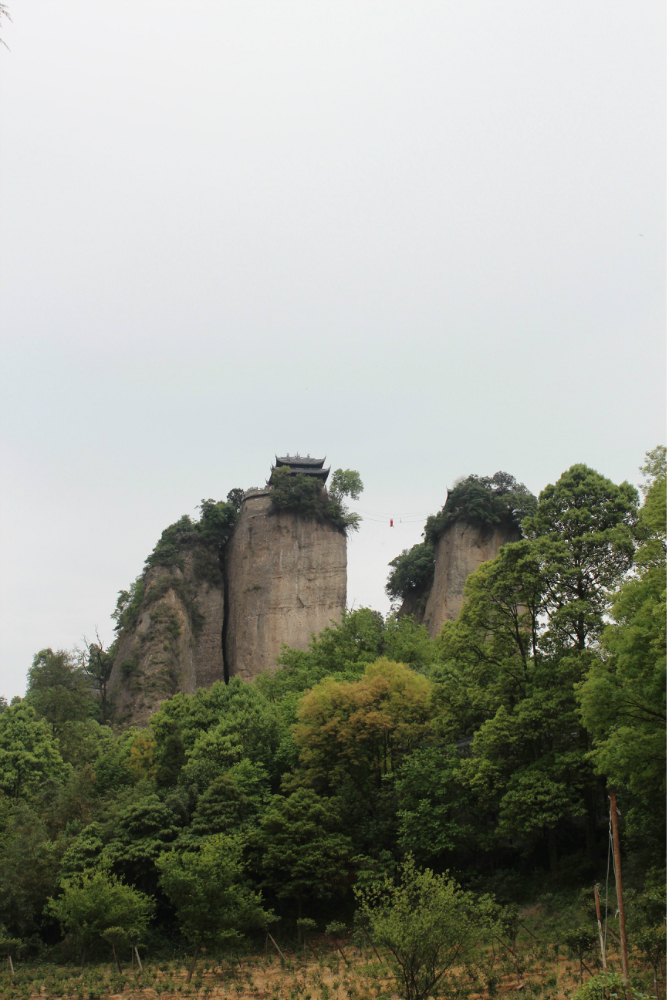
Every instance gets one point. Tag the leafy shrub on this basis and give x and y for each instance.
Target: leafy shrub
(426, 923)
(96, 905)
(498, 499)
(412, 571)
(214, 527)
(208, 536)
(611, 985)
(128, 606)
(168, 550)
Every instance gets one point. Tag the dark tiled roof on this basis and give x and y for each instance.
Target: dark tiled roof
(299, 461)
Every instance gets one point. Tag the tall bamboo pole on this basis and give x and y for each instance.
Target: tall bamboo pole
(619, 884)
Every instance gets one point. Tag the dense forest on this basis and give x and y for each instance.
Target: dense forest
(482, 758)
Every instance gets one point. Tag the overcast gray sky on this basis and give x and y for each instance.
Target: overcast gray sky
(424, 239)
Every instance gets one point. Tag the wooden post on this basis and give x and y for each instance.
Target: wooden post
(619, 885)
(342, 952)
(597, 910)
(141, 968)
(271, 939)
(117, 960)
(11, 964)
(192, 964)
(377, 954)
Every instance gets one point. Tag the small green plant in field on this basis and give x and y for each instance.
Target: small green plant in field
(611, 985)
(581, 942)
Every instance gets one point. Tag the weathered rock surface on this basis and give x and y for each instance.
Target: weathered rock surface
(176, 644)
(286, 577)
(459, 552)
(414, 604)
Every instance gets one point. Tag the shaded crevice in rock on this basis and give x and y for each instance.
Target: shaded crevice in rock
(415, 604)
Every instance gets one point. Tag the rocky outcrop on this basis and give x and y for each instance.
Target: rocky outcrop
(286, 577)
(460, 550)
(414, 604)
(176, 643)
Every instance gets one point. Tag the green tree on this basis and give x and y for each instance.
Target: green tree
(583, 533)
(9, 945)
(29, 868)
(613, 985)
(214, 906)
(98, 667)
(428, 925)
(235, 498)
(647, 920)
(29, 756)
(197, 737)
(137, 835)
(217, 521)
(439, 815)
(99, 905)
(406, 641)
(623, 696)
(362, 729)
(412, 572)
(345, 483)
(525, 638)
(58, 689)
(233, 801)
(128, 606)
(301, 853)
(345, 648)
(169, 753)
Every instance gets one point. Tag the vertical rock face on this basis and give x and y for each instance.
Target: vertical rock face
(459, 552)
(176, 643)
(415, 605)
(286, 577)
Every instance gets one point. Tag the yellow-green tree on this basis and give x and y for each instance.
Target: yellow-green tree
(362, 729)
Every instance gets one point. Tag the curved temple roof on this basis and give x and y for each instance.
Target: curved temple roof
(300, 466)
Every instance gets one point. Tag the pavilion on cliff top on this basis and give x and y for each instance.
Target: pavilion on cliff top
(299, 466)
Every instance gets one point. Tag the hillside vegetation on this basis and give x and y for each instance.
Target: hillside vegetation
(380, 782)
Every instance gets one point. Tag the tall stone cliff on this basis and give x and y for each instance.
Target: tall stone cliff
(176, 642)
(460, 550)
(286, 577)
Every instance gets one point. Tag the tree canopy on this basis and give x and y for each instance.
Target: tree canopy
(367, 766)
(497, 499)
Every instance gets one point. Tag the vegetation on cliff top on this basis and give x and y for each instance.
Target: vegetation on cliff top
(211, 532)
(491, 500)
(214, 528)
(307, 497)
